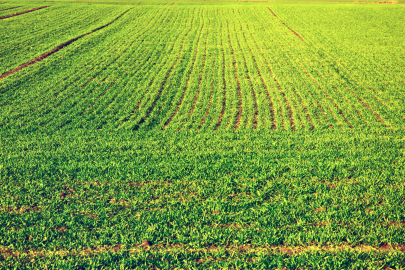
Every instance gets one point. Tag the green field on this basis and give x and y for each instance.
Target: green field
(202, 134)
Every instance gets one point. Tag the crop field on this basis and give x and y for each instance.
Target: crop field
(202, 134)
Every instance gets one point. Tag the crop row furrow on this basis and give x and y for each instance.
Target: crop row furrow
(155, 99)
(22, 12)
(185, 78)
(83, 92)
(200, 83)
(224, 84)
(188, 75)
(287, 92)
(252, 95)
(331, 115)
(98, 115)
(149, 78)
(323, 90)
(144, 69)
(140, 54)
(47, 95)
(282, 72)
(238, 115)
(348, 76)
(295, 64)
(58, 48)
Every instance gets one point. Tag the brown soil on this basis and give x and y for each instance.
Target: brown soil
(209, 248)
(396, 224)
(21, 210)
(62, 229)
(22, 12)
(146, 244)
(321, 209)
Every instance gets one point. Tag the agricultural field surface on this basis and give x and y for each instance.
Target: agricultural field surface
(202, 134)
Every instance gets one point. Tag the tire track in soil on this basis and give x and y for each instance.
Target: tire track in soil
(292, 30)
(168, 121)
(9, 8)
(140, 66)
(200, 77)
(255, 107)
(378, 117)
(359, 115)
(22, 12)
(221, 114)
(316, 100)
(235, 72)
(81, 88)
(335, 66)
(322, 110)
(381, 248)
(305, 108)
(365, 104)
(58, 48)
(56, 94)
(340, 111)
(149, 111)
(280, 89)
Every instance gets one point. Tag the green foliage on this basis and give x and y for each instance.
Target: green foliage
(209, 135)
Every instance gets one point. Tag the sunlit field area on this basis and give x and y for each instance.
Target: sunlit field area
(202, 134)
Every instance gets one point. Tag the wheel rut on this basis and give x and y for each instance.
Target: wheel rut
(22, 12)
(58, 48)
(292, 30)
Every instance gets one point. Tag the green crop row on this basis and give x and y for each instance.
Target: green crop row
(262, 74)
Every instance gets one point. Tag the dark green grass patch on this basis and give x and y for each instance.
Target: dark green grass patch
(79, 191)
